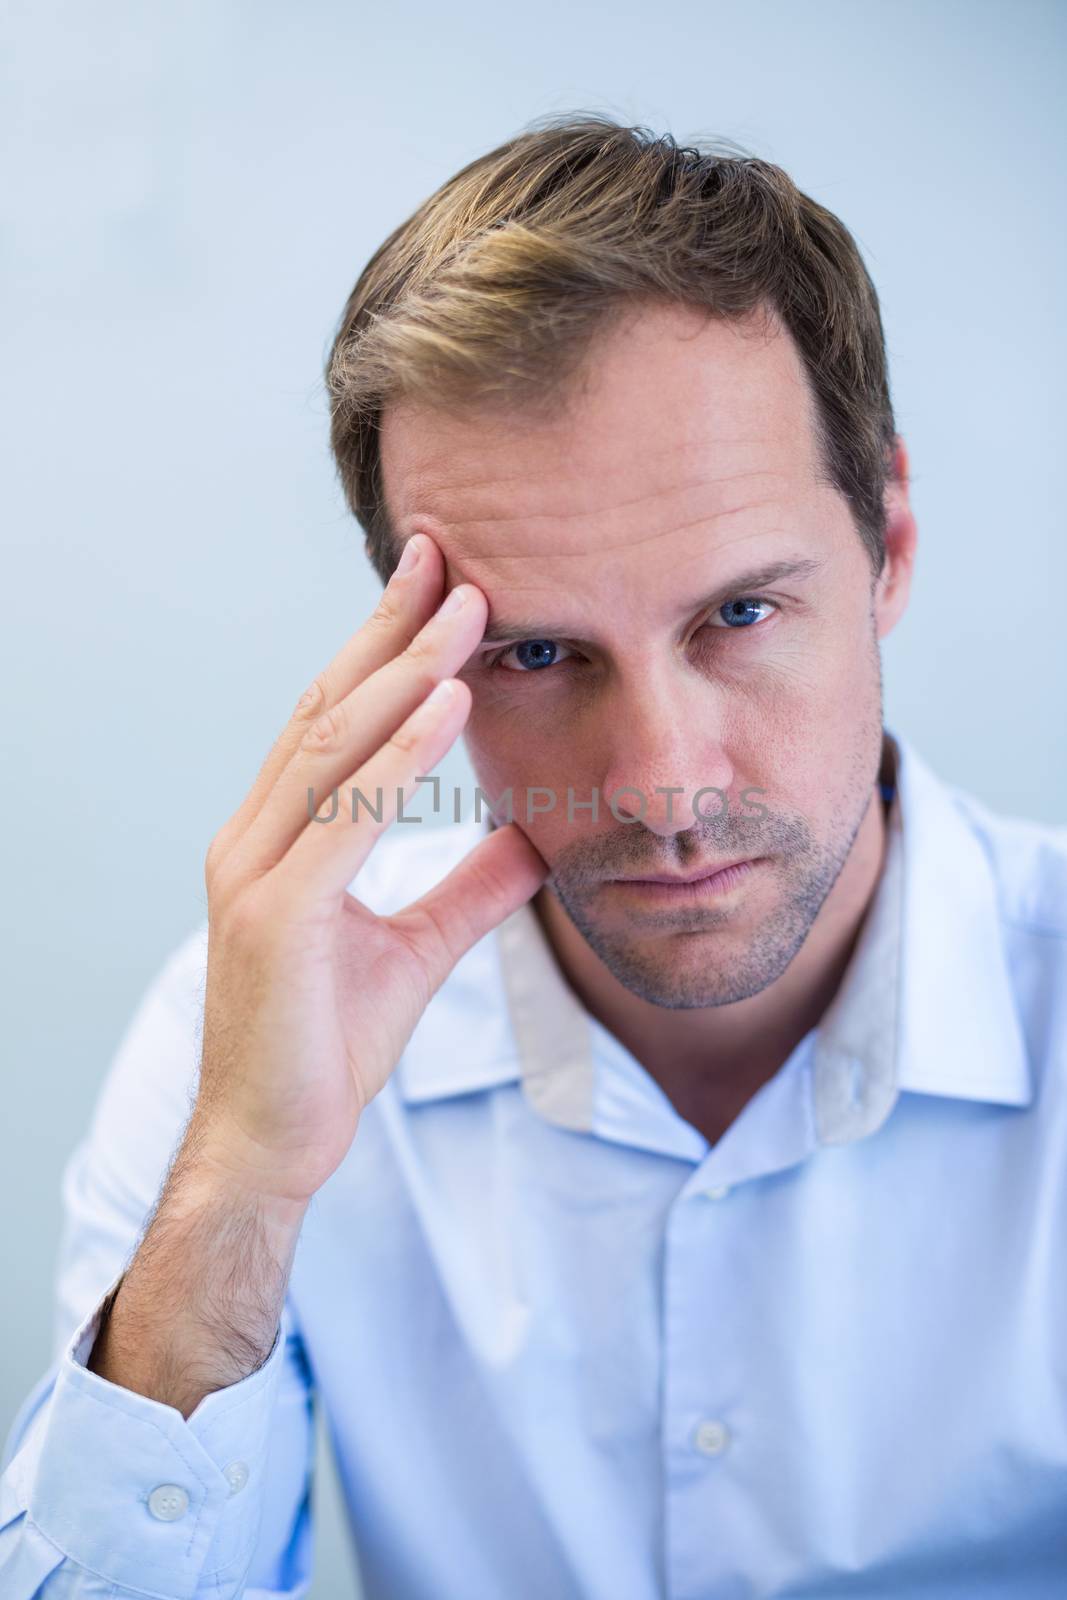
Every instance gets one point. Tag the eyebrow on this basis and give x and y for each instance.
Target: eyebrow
(744, 583)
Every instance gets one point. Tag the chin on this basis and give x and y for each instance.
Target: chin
(681, 971)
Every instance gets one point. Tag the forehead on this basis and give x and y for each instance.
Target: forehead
(683, 429)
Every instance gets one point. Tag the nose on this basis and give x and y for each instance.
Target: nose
(667, 764)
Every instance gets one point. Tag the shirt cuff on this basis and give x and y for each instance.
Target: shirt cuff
(128, 1488)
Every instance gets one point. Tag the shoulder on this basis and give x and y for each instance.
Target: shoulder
(1028, 869)
(1028, 860)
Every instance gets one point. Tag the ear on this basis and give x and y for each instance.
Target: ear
(891, 591)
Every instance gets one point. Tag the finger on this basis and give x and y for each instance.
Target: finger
(408, 600)
(327, 855)
(499, 875)
(347, 736)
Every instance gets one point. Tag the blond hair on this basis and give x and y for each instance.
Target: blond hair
(494, 287)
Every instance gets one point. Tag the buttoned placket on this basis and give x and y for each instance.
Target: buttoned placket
(838, 1084)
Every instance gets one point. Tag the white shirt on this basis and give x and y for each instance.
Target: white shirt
(567, 1349)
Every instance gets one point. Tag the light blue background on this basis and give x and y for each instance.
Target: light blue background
(189, 193)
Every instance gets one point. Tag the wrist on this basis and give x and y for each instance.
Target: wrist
(207, 1175)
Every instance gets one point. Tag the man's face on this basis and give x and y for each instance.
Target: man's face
(617, 540)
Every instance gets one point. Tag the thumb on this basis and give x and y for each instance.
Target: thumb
(499, 875)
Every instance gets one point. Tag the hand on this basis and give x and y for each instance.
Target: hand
(310, 998)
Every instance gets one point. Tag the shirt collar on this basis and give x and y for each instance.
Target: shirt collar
(960, 1031)
(925, 1005)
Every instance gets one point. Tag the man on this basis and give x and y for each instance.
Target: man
(662, 1179)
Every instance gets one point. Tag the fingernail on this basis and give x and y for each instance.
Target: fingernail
(441, 695)
(408, 556)
(456, 598)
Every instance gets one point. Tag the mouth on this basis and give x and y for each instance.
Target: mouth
(705, 882)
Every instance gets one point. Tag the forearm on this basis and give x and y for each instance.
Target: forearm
(199, 1307)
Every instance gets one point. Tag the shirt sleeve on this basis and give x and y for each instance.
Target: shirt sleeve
(106, 1492)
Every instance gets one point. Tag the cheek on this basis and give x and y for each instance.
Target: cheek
(494, 737)
(508, 751)
(823, 743)
(811, 670)
(533, 734)
(801, 718)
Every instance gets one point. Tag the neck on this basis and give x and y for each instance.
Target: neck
(711, 1060)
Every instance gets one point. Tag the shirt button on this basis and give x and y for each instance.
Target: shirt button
(711, 1438)
(236, 1475)
(718, 1193)
(168, 1502)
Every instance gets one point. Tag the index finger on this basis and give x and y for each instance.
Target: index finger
(408, 601)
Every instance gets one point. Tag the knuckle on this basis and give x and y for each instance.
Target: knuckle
(492, 886)
(312, 700)
(246, 919)
(327, 731)
(405, 740)
(218, 881)
(216, 852)
(386, 612)
(220, 854)
(421, 650)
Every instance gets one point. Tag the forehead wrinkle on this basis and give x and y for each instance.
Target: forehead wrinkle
(447, 467)
(521, 627)
(618, 505)
(623, 544)
(437, 476)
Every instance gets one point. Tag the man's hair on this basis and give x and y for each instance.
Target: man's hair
(494, 288)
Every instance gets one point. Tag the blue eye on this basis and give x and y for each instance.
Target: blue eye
(531, 655)
(534, 655)
(735, 613)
